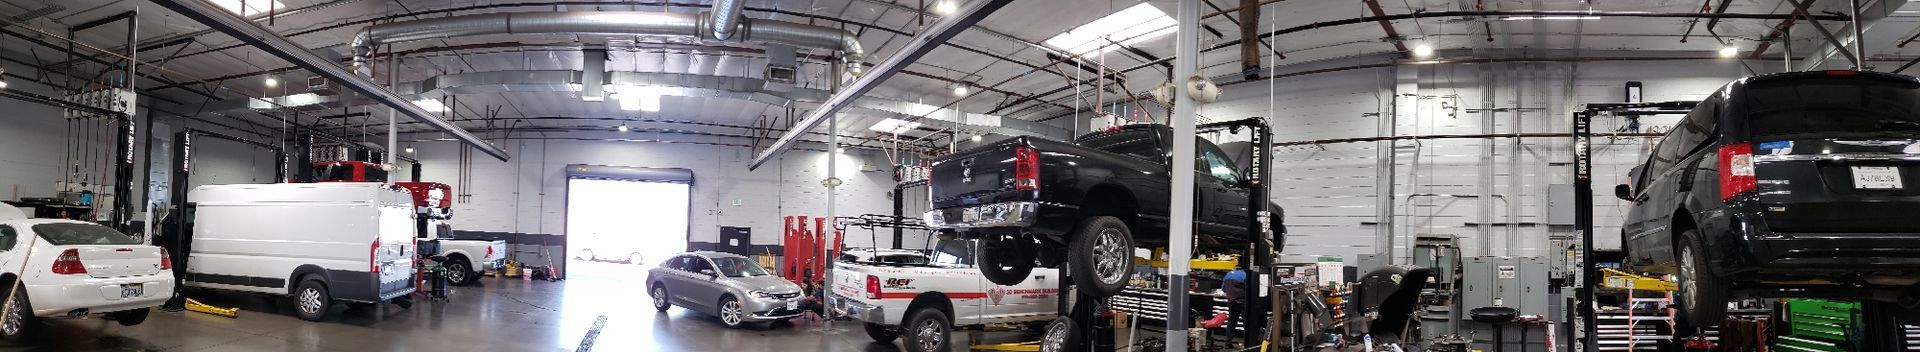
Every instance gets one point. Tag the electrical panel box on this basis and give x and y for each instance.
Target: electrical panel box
(1560, 209)
(1516, 282)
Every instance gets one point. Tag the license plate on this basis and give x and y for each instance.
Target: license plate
(1876, 177)
(792, 305)
(132, 290)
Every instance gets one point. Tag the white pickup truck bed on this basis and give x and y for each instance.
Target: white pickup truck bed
(885, 296)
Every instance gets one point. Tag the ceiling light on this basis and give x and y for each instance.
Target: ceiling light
(894, 126)
(945, 7)
(960, 90)
(623, 127)
(409, 149)
(272, 82)
(976, 138)
(430, 105)
(843, 150)
(1131, 26)
(252, 7)
(640, 98)
(1729, 51)
(1423, 50)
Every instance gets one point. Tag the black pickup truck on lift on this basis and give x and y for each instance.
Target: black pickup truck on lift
(1093, 200)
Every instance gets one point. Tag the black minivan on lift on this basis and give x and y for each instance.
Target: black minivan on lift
(1785, 185)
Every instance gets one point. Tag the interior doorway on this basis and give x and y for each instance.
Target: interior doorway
(618, 228)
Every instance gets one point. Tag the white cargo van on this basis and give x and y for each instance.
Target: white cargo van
(319, 243)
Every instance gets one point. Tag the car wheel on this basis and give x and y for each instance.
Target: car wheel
(311, 300)
(586, 254)
(636, 259)
(1279, 230)
(459, 272)
(404, 302)
(732, 314)
(882, 333)
(927, 330)
(131, 317)
(1100, 256)
(1703, 296)
(659, 293)
(17, 322)
(1059, 336)
(1006, 259)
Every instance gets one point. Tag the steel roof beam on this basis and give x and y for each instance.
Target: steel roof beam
(220, 19)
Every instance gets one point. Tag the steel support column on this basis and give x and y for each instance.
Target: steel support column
(220, 19)
(1180, 221)
(934, 35)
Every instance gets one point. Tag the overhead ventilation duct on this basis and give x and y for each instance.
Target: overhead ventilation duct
(615, 23)
(726, 14)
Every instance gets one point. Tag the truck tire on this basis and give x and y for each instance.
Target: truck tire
(1059, 335)
(1279, 230)
(1703, 296)
(1100, 256)
(311, 300)
(131, 317)
(460, 271)
(18, 325)
(927, 330)
(1007, 259)
(882, 333)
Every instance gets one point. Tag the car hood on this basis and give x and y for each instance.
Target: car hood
(769, 284)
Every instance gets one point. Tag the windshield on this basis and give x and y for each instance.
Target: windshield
(739, 267)
(62, 234)
(1832, 107)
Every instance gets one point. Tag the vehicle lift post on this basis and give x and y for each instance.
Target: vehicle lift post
(1583, 194)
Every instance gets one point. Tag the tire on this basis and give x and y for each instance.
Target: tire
(1279, 230)
(732, 314)
(659, 294)
(1703, 295)
(404, 302)
(1059, 336)
(460, 272)
(882, 333)
(586, 254)
(927, 330)
(1007, 259)
(1100, 256)
(131, 317)
(18, 325)
(636, 259)
(311, 300)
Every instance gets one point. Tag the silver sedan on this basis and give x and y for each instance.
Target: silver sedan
(727, 285)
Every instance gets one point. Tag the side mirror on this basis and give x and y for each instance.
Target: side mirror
(1623, 192)
(709, 272)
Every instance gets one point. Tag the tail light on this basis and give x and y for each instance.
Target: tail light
(490, 252)
(373, 257)
(69, 263)
(1736, 170)
(166, 260)
(1026, 168)
(873, 287)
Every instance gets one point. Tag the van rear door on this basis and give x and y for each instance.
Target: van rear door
(1836, 153)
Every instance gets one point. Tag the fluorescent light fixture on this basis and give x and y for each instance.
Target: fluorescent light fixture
(1131, 26)
(272, 82)
(1729, 51)
(640, 98)
(252, 7)
(430, 105)
(1423, 50)
(1523, 18)
(895, 126)
(945, 7)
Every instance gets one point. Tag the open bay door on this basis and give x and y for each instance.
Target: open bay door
(623, 220)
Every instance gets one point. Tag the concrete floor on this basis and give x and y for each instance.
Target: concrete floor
(497, 315)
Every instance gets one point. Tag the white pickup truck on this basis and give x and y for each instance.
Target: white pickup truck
(924, 303)
(466, 259)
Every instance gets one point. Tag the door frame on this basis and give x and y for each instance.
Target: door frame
(618, 173)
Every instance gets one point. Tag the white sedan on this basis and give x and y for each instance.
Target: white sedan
(74, 269)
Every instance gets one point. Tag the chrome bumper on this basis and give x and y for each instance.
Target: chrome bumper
(1004, 214)
(861, 311)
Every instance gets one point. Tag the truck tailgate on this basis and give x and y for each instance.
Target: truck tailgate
(850, 282)
(969, 177)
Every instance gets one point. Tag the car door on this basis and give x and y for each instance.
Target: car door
(1669, 181)
(703, 287)
(8, 239)
(673, 274)
(1228, 201)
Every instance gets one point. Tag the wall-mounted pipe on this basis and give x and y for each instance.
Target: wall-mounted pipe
(607, 23)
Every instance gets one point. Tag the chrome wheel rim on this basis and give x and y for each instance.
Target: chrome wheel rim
(1055, 338)
(1109, 256)
(730, 312)
(12, 323)
(659, 297)
(1688, 276)
(310, 301)
(456, 273)
(929, 335)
